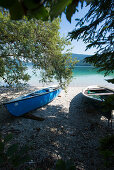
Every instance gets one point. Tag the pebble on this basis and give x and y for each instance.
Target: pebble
(68, 131)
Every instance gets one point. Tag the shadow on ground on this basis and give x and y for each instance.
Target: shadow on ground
(71, 132)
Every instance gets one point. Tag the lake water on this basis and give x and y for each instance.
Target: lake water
(82, 76)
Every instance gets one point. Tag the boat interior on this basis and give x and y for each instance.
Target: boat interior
(99, 91)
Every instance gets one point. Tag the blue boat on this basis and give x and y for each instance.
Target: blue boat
(32, 101)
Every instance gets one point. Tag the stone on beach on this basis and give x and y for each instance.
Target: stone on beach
(69, 130)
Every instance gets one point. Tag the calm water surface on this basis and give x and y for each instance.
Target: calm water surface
(82, 76)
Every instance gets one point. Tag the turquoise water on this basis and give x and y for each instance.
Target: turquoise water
(86, 76)
(82, 76)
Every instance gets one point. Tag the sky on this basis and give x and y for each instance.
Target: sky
(65, 27)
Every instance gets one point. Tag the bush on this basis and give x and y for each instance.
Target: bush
(65, 165)
(107, 150)
(10, 154)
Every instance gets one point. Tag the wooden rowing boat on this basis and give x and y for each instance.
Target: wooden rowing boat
(32, 101)
(97, 93)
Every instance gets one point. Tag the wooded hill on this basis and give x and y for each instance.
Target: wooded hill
(81, 58)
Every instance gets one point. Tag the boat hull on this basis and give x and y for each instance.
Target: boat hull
(27, 104)
(97, 93)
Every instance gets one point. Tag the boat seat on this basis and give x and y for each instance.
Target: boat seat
(47, 90)
(34, 94)
(40, 93)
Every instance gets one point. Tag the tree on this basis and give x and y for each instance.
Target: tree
(40, 9)
(33, 41)
(96, 28)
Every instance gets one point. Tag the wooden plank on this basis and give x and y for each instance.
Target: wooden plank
(99, 94)
(97, 89)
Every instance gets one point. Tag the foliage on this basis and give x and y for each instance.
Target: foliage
(107, 150)
(108, 104)
(107, 107)
(42, 9)
(36, 42)
(96, 28)
(65, 165)
(111, 81)
(10, 154)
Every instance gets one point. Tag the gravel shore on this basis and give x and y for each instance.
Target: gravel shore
(71, 129)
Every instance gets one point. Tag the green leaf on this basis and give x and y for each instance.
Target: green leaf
(1, 15)
(40, 13)
(60, 165)
(12, 150)
(70, 165)
(16, 10)
(1, 147)
(105, 27)
(110, 80)
(31, 4)
(71, 9)
(17, 160)
(58, 7)
(6, 4)
(65, 165)
(24, 150)
(1, 159)
(8, 138)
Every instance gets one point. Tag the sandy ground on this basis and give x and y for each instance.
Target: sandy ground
(71, 129)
